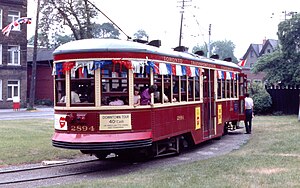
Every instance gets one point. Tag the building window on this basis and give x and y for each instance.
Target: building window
(0, 54)
(0, 90)
(13, 55)
(13, 16)
(0, 18)
(13, 89)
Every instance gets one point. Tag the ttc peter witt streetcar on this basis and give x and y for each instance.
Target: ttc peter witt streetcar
(197, 98)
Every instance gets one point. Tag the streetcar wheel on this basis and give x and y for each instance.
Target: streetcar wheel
(225, 132)
(101, 156)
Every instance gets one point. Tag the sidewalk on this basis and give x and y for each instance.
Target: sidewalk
(24, 110)
(38, 109)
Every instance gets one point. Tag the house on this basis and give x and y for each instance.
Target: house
(44, 78)
(13, 52)
(253, 53)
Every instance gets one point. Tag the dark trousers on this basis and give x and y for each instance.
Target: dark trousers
(248, 121)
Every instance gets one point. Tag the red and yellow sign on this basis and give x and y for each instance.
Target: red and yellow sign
(219, 113)
(197, 118)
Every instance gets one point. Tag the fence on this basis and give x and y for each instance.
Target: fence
(285, 99)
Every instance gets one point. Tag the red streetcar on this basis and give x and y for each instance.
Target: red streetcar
(197, 98)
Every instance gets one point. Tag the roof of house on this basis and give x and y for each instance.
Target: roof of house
(256, 48)
(43, 54)
(270, 42)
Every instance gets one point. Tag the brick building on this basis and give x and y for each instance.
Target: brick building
(13, 50)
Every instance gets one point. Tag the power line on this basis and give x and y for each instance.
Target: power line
(128, 37)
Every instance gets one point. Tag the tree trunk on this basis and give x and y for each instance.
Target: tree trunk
(33, 73)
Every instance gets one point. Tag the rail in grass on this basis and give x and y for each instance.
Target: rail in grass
(197, 98)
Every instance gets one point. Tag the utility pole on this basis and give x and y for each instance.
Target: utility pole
(33, 73)
(181, 22)
(208, 46)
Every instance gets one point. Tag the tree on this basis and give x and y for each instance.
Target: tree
(140, 34)
(224, 49)
(75, 14)
(283, 65)
(105, 30)
(261, 98)
(202, 48)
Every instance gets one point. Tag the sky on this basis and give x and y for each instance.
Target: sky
(242, 22)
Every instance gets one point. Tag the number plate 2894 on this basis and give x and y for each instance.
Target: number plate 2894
(82, 128)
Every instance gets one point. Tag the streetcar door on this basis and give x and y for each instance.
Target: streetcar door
(209, 105)
(242, 90)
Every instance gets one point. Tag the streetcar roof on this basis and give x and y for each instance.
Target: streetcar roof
(117, 45)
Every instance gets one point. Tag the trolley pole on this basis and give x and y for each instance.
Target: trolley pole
(181, 21)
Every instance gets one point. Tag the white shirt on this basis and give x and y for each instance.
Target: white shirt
(74, 97)
(248, 103)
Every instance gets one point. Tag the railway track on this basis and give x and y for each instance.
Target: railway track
(38, 175)
(74, 171)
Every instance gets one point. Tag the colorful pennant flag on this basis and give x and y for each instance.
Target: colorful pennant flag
(6, 30)
(242, 63)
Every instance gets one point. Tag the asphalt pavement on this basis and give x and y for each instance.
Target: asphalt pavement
(23, 113)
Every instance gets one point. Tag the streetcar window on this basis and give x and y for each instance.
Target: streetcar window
(241, 83)
(176, 86)
(205, 83)
(197, 88)
(167, 89)
(184, 89)
(60, 86)
(82, 86)
(191, 89)
(219, 90)
(114, 85)
(141, 80)
(228, 88)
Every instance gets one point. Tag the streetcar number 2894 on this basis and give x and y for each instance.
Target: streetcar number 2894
(82, 128)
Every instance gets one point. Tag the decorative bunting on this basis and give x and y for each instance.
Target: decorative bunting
(100, 64)
(125, 63)
(198, 71)
(163, 69)
(6, 30)
(183, 69)
(193, 71)
(178, 70)
(57, 69)
(228, 75)
(67, 66)
(169, 67)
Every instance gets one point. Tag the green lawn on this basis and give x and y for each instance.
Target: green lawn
(271, 158)
(29, 141)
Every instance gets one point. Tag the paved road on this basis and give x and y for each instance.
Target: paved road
(9, 114)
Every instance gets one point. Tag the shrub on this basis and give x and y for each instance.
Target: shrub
(261, 98)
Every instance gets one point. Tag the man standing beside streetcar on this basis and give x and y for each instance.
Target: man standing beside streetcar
(248, 112)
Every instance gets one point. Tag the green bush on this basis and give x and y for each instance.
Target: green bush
(261, 98)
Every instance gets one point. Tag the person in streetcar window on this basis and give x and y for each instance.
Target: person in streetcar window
(146, 95)
(136, 97)
(116, 102)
